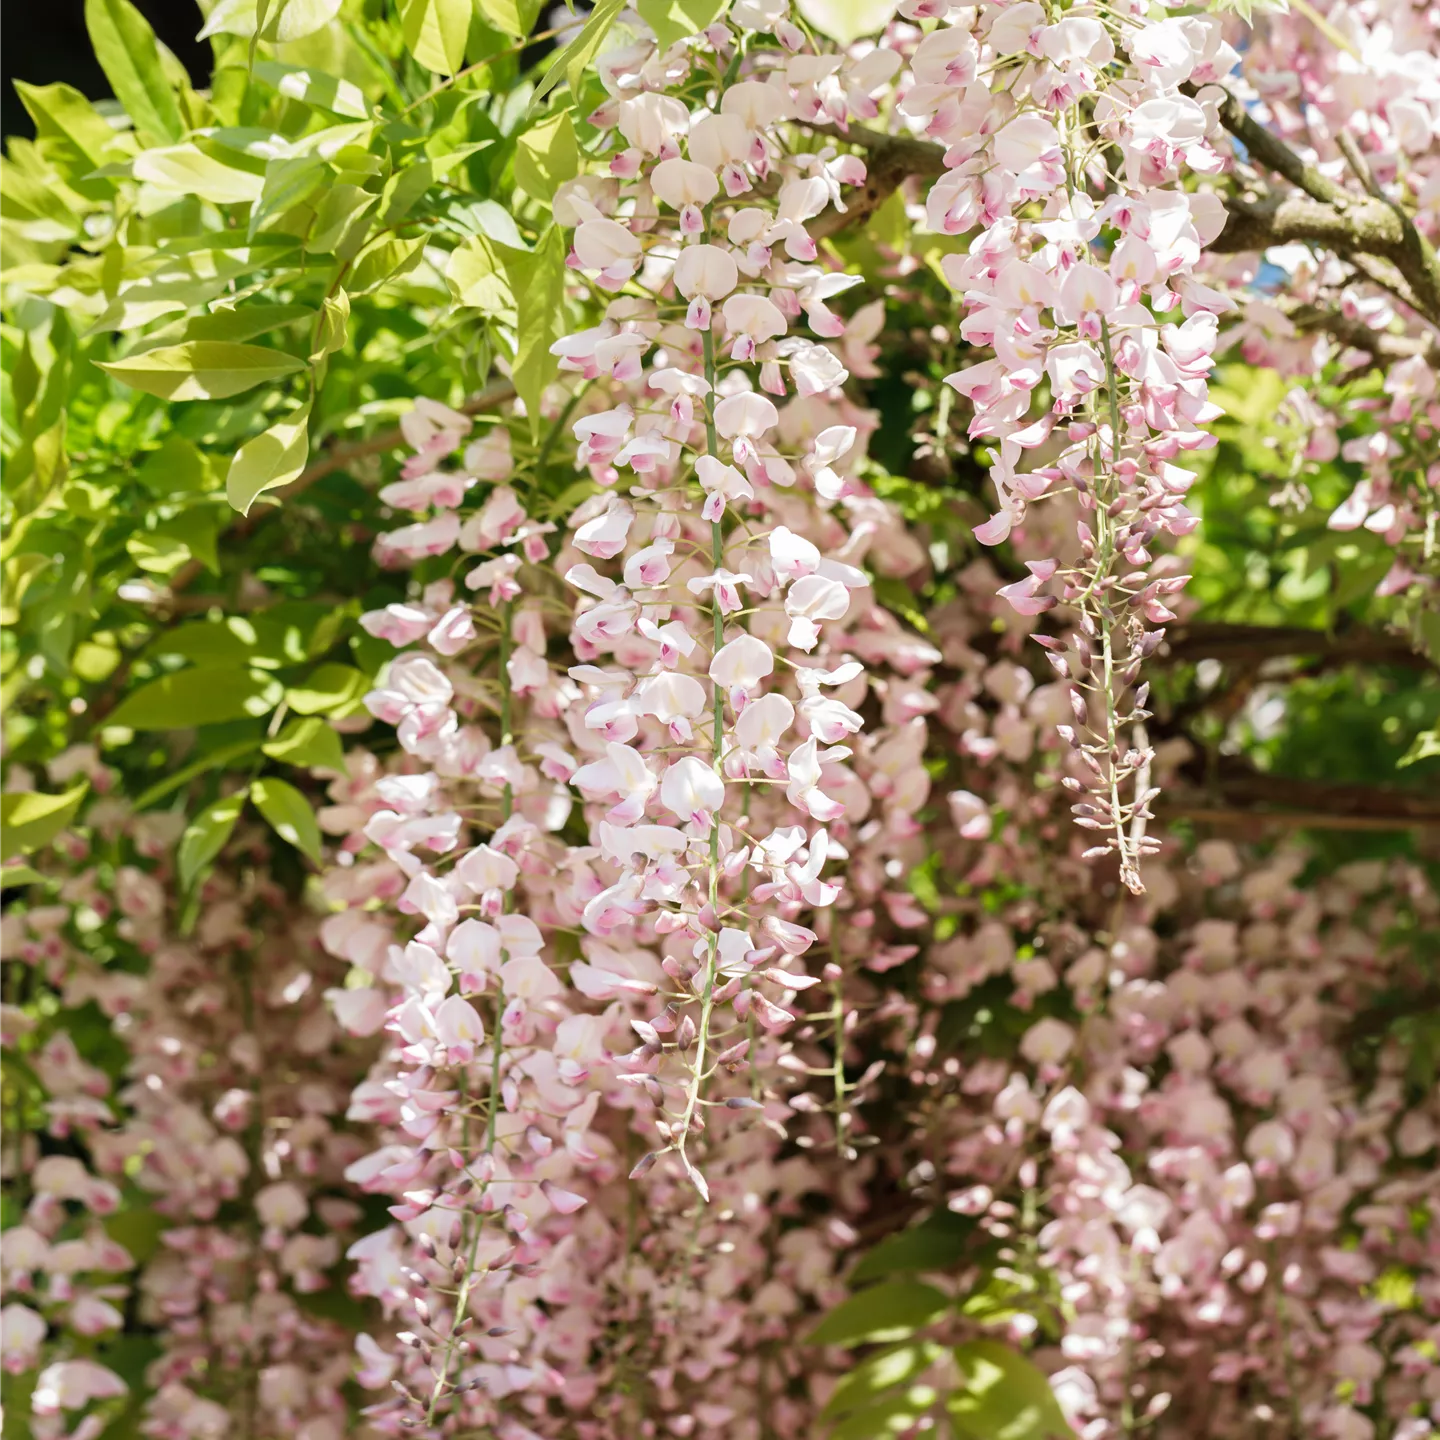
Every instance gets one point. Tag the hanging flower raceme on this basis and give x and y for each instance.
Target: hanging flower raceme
(717, 595)
(1080, 279)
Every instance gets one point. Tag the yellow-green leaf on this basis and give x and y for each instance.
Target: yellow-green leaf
(546, 156)
(572, 62)
(201, 369)
(203, 696)
(289, 814)
(537, 280)
(513, 17)
(269, 460)
(847, 20)
(1004, 1397)
(334, 325)
(205, 836)
(243, 322)
(385, 261)
(177, 465)
(30, 819)
(435, 32)
(13, 875)
(311, 742)
(894, 1309)
(476, 277)
(673, 20)
(129, 54)
(329, 688)
(315, 87)
(63, 111)
(285, 20)
(188, 170)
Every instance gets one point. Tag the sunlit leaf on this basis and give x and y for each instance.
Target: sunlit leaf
(188, 170)
(289, 814)
(269, 461)
(673, 20)
(1004, 1396)
(436, 31)
(202, 369)
(537, 280)
(129, 54)
(204, 696)
(310, 742)
(205, 836)
(890, 1310)
(547, 155)
(30, 819)
(847, 20)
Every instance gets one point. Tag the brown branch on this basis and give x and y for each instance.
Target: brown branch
(1330, 216)
(1247, 820)
(890, 161)
(1364, 230)
(1238, 794)
(1255, 644)
(1381, 345)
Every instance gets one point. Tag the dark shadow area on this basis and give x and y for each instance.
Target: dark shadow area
(47, 42)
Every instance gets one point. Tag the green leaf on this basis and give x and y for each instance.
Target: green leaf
(244, 322)
(63, 111)
(289, 814)
(891, 1310)
(314, 87)
(1426, 746)
(847, 20)
(486, 217)
(513, 17)
(546, 156)
(30, 819)
(205, 836)
(157, 554)
(233, 641)
(310, 742)
(537, 280)
(476, 276)
(329, 688)
(404, 190)
(198, 530)
(211, 760)
(435, 32)
(288, 182)
(269, 460)
(129, 54)
(893, 1416)
(203, 696)
(1005, 1396)
(938, 1243)
(386, 261)
(176, 466)
(201, 369)
(188, 170)
(572, 62)
(673, 20)
(868, 1380)
(285, 20)
(334, 325)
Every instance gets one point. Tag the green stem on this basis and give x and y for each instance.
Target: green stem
(474, 1225)
(707, 997)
